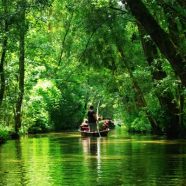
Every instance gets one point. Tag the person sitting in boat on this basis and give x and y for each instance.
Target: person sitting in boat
(103, 124)
(92, 119)
(84, 126)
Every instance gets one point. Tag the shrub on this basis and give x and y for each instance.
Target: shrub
(4, 134)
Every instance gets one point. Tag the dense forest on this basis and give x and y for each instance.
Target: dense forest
(58, 57)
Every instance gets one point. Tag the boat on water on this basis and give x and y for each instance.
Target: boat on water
(101, 133)
(85, 131)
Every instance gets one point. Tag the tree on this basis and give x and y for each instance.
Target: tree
(22, 31)
(160, 37)
(3, 52)
(166, 99)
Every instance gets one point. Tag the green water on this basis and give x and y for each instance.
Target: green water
(68, 159)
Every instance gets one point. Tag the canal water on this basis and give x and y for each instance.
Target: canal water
(67, 159)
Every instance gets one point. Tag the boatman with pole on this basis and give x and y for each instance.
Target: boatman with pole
(92, 119)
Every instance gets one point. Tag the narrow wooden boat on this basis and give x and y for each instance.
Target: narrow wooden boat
(101, 133)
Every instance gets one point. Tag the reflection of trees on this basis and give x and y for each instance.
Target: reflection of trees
(20, 165)
(174, 163)
(12, 169)
(2, 171)
(24, 162)
(154, 162)
(93, 161)
(147, 160)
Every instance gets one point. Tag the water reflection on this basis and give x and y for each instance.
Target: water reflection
(69, 159)
(92, 152)
(12, 168)
(91, 146)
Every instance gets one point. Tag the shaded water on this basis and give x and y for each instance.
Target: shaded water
(68, 159)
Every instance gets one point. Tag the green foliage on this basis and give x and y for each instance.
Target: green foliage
(39, 126)
(72, 60)
(68, 114)
(43, 97)
(4, 133)
(140, 124)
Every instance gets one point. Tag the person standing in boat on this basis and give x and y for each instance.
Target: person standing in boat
(92, 119)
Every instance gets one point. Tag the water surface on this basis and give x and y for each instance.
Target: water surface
(68, 159)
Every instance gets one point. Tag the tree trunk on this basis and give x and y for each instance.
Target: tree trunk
(151, 54)
(169, 107)
(181, 113)
(3, 54)
(141, 103)
(22, 30)
(174, 34)
(160, 37)
(64, 39)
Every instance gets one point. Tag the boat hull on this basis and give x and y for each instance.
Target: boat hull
(102, 133)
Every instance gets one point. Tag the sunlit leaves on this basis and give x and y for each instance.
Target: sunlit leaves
(43, 97)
